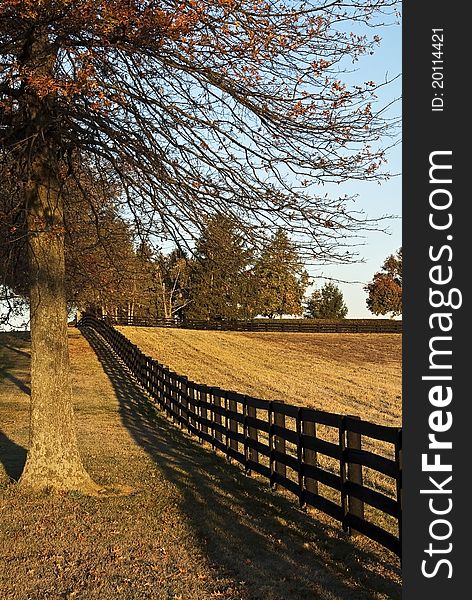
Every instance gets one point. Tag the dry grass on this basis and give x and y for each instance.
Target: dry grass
(355, 374)
(197, 527)
(358, 374)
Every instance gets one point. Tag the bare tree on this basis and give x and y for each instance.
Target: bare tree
(230, 106)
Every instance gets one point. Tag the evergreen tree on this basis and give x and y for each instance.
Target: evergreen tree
(281, 278)
(220, 272)
(173, 271)
(160, 283)
(145, 300)
(326, 303)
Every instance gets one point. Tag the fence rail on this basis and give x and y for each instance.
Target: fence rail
(288, 325)
(286, 444)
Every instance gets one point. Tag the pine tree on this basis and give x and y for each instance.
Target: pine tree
(220, 272)
(172, 274)
(280, 277)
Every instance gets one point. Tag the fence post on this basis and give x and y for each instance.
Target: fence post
(342, 471)
(146, 373)
(250, 433)
(216, 401)
(231, 424)
(203, 412)
(192, 409)
(174, 403)
(399, 483)
(157, 384)
(176, 399)
(167, 393)
(277, 444)
(184, 401)
(160, 386)
(137, 367)
(354, 473)
(147, 376)
(270, 417)
(301, 489)
(310, 456)
(155, 381)
(143, 369)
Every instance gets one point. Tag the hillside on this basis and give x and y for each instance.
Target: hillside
(357, 374)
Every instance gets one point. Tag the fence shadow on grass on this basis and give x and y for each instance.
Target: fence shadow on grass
(255, 535)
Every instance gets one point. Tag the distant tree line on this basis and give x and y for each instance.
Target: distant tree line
(225, 278)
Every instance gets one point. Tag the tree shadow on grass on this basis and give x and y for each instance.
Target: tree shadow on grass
(12, 457)
(14, 342)
(17, 350)
(19, 384)
(255, 535)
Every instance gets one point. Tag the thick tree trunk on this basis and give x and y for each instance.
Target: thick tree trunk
(53, 459)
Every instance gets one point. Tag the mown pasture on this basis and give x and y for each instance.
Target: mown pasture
(196, 526)
(357, 374)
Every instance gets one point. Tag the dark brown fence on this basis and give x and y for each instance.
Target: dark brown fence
(286, 325)
(316, 455)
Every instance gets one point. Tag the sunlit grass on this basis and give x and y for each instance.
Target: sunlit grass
(355, 374)
(197, 527)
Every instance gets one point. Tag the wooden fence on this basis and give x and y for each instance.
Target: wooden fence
(286, 444)
(287, 325)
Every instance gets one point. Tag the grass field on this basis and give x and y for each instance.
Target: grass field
(195, 528)
(358, 374)
(355, 374)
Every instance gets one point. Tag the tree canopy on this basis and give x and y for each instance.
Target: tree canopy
(200, 106)
(280, 278)
(385, 289)
(189, 109)
(326, 303)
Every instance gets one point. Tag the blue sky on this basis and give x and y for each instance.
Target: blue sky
(374, 198)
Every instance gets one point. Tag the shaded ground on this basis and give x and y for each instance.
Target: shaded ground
(197, 527)
(69, 546)
(345, 373)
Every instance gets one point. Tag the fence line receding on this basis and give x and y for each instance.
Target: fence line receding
(268, 325)
(318, 456)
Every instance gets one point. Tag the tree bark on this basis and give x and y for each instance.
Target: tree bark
(53, 459)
